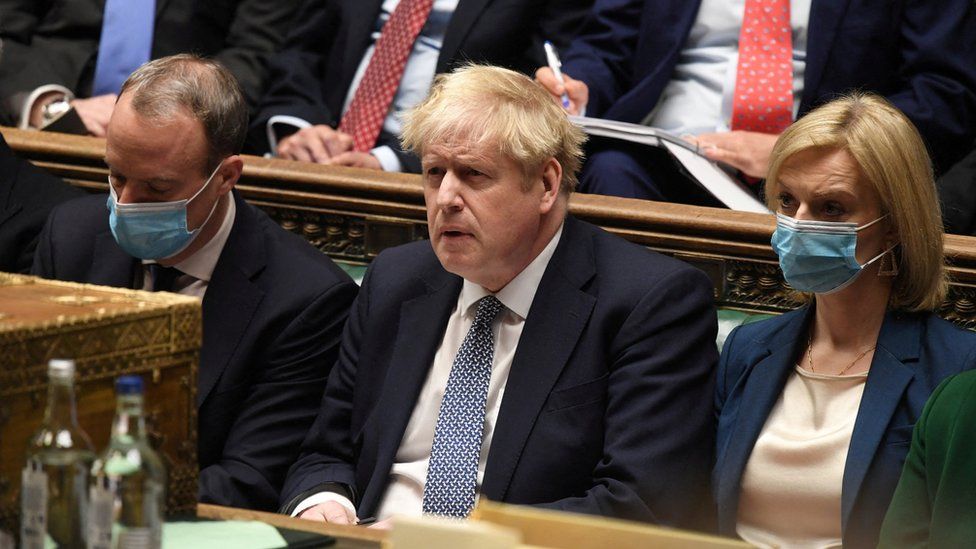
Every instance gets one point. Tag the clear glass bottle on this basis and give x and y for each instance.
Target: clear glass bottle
(54, 485)
(127, 497)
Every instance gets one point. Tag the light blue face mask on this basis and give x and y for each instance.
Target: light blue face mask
(153, 230)
(818, 256)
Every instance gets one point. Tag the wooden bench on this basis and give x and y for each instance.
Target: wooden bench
(353, 214)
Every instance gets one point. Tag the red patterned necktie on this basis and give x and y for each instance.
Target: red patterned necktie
(763, 100)
(375, 92)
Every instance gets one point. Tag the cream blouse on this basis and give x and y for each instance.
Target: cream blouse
(791, 487)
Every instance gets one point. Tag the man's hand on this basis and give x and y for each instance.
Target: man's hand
(577, 91)
(95, 112)
(748, 152)
(36, 117)
(330, 511)
(355, 159)
(315, 144)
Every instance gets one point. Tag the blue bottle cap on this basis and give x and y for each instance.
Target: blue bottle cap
(129, 385)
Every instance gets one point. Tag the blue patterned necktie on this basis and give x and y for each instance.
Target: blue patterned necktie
(452, 475)
(125, 43)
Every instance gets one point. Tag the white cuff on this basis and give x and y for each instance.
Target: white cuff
(388, 159)
(282, 119)
(323, 497)
(25, 111)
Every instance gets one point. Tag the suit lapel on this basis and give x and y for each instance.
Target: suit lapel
(112, 267)
(465, 15)
(824, 19)
(763, 388)
(421, 327)
(231, 298)
(160, 6)
(559, 312)
(887, 380)
(9, 212)
(8, 206)
(358, 29)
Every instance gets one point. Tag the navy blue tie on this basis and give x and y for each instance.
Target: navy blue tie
(163, 278)
(452, 475)
(125, 43)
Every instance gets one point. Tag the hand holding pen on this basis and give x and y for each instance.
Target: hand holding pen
(572, 94)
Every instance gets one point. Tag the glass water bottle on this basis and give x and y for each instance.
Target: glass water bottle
(54, 486)
(128, 484)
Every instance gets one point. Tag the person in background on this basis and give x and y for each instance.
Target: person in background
(816, 407)
(27, 195)
(273, 306)
(736, 73)
(64, 54)
(957, 192)
(350, 69)
(935, 502)
(510, 355)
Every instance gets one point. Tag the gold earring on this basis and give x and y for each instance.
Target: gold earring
(889, 264)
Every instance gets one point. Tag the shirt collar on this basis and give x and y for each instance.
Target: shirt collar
(518, 294)
(201, 264)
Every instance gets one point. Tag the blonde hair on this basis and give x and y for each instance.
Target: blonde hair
(893, 160)
(492, 107)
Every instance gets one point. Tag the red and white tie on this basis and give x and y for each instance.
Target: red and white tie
(763, 100)
(375, 92)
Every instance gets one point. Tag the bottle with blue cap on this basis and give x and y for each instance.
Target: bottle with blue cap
(127, 496)
(54, 481)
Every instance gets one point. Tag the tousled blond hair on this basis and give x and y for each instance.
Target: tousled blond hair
(491, 108)
(892, 159)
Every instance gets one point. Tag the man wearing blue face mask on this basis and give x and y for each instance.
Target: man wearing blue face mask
(273, 306)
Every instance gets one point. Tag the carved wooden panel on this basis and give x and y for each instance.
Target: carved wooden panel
(353, 214)
(109, 332)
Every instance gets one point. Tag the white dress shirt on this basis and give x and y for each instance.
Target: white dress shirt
(198, 268)
(698, 98)
(405, 492)
(418, 75)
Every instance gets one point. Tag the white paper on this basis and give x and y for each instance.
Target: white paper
(708, 174)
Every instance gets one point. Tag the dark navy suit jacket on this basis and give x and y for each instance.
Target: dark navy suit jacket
(915, 353)
(917, 54)
(27, 195)
(311, 76)
(602, 411)
(272, 318)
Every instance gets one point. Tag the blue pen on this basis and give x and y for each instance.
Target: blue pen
(552, 59)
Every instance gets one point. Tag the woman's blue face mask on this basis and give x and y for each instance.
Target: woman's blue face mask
(818, 256)
(153, 230)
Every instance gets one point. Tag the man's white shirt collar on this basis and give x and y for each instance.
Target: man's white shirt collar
(518, 294)
(201, 264)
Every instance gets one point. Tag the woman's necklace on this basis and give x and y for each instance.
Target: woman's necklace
(842, 372)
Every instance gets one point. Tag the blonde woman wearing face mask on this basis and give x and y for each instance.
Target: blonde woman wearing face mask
(816, 407)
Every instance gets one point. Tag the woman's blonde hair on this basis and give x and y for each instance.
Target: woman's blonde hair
(893, 160)
(486, 106)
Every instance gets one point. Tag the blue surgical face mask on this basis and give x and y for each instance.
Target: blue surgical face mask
(153, 230)
(818, 256)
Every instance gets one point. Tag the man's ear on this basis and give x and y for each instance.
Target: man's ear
(228, 174)
(552, 182)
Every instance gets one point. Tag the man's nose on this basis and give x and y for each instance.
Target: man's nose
(449, 193)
